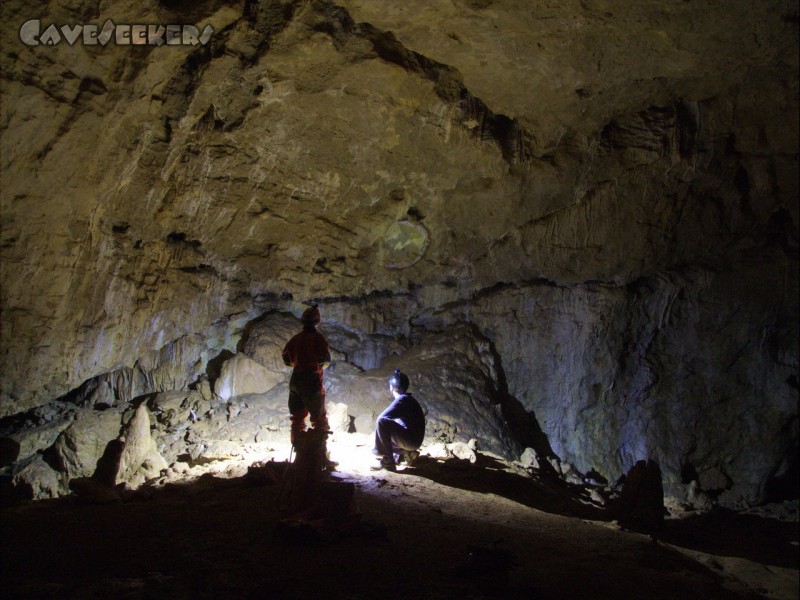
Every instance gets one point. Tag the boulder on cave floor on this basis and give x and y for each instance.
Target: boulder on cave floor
(34, 479)
(78, 448)
(28, 441)
(242, 375)
(139, 458)
(640, 505)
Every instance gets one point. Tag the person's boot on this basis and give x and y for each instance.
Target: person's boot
(297, 428)
(322, 434)
(406, 457)
(386, 464)
(411, 457)
(327, 463)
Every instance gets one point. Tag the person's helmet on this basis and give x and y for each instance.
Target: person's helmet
(310, 316)
(399, 380)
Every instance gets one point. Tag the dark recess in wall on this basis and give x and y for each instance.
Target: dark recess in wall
(214, 367)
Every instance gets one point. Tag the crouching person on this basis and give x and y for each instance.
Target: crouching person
(400, 429)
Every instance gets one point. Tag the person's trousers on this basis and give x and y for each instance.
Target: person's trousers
(391, 436)
(306, 399)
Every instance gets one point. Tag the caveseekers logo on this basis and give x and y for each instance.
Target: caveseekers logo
(123, 35)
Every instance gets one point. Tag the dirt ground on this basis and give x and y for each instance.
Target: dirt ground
(440, 529)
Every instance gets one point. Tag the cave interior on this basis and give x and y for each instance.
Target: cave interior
(574, 225)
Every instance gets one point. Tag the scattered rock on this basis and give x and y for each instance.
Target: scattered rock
(462, 451)
(214, 450)
(571, 474)
(204, 387)
(36, 439)
(697, 498)
(597, 497)
(172, 409)
(34, 479)
(529, 458)
(436, 450)
(556, 465)
(338, 417)
(80, 445)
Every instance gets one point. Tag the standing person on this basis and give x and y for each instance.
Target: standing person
(307, 353)
(400, 429)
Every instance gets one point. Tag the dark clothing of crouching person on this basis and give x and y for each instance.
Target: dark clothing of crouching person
(400, 429)
(308, 353)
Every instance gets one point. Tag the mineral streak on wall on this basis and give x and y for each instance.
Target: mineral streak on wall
(600, 196)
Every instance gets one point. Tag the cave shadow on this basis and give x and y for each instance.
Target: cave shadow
(214, 537)
(214, 366)
(208, 537)
(522, 423)
(486, 475)
(723, 532)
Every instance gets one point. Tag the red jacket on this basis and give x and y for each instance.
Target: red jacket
(307, 352)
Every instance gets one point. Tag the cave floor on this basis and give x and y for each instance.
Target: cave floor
(439, 529)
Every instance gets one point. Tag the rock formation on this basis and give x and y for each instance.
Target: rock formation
(641, 502)
(577, 221)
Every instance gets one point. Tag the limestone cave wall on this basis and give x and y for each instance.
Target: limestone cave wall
(576, 222)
